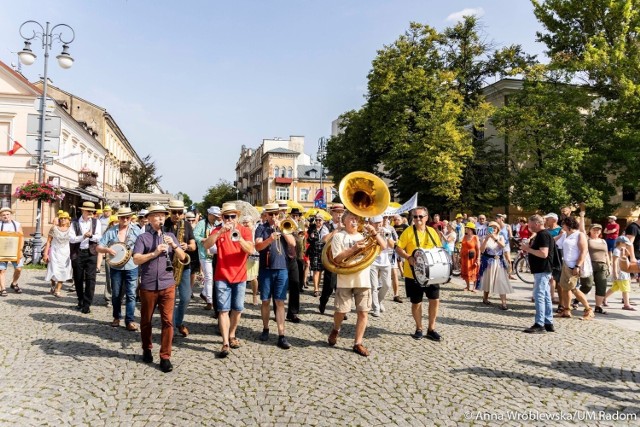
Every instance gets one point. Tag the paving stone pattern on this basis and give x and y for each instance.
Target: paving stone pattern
(60, 367)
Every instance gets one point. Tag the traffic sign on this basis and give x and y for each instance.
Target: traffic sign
(33, 161)
(50, 146)
(49, 105)
(52, 125)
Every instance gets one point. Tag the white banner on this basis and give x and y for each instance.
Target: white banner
(406, 207)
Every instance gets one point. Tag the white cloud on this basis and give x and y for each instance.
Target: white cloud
(457, 16)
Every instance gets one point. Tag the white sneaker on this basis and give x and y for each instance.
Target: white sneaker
(375, 313)
(381, 308)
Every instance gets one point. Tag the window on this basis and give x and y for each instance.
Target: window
(312, 173)
(276, 172)
(290, 172)
(5, 195)
(628, 194)
(282, 193)
(304, 194)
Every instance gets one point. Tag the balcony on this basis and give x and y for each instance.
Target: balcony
(125, 166)
(87, 178)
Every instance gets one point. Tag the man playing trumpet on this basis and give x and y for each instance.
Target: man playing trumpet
(347, 244)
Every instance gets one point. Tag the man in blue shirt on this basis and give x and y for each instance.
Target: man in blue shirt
(124, 277)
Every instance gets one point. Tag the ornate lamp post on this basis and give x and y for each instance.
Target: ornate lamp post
(47, 35)
(321, 157)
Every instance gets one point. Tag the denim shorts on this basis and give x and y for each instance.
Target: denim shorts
(4, 265)
(230, 296)
(273, 283)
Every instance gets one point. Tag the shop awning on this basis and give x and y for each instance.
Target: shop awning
(81, 193)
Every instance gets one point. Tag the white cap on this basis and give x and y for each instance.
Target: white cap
(551, 215)
(375, 219)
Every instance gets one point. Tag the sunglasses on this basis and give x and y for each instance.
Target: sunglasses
(191, 220)
(419, 216)
(229, 216)
(176, 212)
(272, 213)
(319, 220)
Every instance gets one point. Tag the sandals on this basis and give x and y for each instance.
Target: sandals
(504, 307)
(566, 314)
(560, 309)
(234, 342)
(588, 314)
(57, 294)
(316, 294)
(3, 293)
(16, 288)
(487, 302)
(599, 310)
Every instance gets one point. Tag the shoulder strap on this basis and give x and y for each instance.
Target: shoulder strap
(415, 234)
(76, 227)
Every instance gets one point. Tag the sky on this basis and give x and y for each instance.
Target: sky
(190, 82)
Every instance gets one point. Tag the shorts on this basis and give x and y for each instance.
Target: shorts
(230, 296)
(621, 285)
(252, 268)
(415, 291)
(567, 280)
(611, 244)
(361, 295)
(195, 264)
(273, 283)
(4, 265)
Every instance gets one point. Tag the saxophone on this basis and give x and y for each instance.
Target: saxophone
(178, 266)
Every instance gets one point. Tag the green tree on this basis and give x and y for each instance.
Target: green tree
(142, 179)
(216, 195)
(185, 198)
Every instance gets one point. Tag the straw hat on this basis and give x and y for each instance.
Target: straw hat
(64, 215)
(271, 207)
(124, 212)
(88, 206)
(106, 208)
(6, 209)
(176, 205)
(229, 207)
(157, 209)
(337, 207)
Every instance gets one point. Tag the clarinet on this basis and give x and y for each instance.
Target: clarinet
(169, 266)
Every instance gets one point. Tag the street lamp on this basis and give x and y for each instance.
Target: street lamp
(321, 157)
(47, 35)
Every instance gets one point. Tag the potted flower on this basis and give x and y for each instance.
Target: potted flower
(39, 191)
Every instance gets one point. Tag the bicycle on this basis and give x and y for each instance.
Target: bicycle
(521, 266)
(456, 267)
(27, 251)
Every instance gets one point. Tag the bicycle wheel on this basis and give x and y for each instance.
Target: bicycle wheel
(455, 264)
(523, 271)
(27, 252)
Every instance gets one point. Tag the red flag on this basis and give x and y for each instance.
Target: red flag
(16, 147)
(319, 195)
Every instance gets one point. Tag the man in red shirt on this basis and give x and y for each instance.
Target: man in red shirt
(611, 232)
(235, 244)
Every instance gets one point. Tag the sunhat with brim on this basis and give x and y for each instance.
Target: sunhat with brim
(214, 210)
(470, 225)
(88, 206)
(190, 215)
(459, 216)
(6, 209)
(156, 209)
(176, 205)
(494, 224)
(338, 207)
(595, 226)
(106, 208)
(124, 212)
(113, 218)
(271, 207)
(64, 215)
(228, 208)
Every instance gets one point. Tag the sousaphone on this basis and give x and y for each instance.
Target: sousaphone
(366, 195)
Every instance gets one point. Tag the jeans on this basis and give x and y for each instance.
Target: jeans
(124, 282)
(542, 298)
(184, 292)
(230, 296)
(273, 283)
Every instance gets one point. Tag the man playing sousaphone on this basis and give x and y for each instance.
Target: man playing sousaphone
(412, 238)
(346, 244)
(124, 274)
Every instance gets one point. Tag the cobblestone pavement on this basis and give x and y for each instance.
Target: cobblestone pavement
(60, 367)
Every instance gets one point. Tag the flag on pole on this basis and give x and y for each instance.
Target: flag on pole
(406, 207)
(16, 147)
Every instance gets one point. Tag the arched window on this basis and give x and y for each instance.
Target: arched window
(290, 172)
(276, 171)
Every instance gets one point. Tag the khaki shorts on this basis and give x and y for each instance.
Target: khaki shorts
(567, 280)
(361, 295)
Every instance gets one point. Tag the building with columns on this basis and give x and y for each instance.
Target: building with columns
(279, 169)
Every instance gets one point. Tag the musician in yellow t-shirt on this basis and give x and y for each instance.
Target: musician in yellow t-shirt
(419, 236)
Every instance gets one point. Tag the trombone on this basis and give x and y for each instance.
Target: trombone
(288, 226)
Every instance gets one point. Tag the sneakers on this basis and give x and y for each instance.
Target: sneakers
(433, 336)
(283, 343)
(375, 313)
(381, 308)
(361, 350)
(397, 299)
(418, 334)
(165, 365)
(536, 329)
(264, 336)
(549, 327)
(147, 356)
(333, 337)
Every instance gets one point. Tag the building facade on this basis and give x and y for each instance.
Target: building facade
(280, 170)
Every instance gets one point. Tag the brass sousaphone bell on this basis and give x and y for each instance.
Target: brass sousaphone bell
(366, 195)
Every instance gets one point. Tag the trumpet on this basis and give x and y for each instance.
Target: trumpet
(288, 226)
(235, 235)
(386, 235)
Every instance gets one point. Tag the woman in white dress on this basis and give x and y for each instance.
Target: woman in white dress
(493, 267)
(57, 254)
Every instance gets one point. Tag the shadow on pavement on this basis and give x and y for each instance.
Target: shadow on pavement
(79, 349)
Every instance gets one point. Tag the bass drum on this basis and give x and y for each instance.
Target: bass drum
(122, 256)
(432, 267)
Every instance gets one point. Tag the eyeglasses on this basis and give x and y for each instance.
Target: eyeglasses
(319, 220)
(419, 216)
(272, 213)
(176, 212)
(229, 216)
(191, 220)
